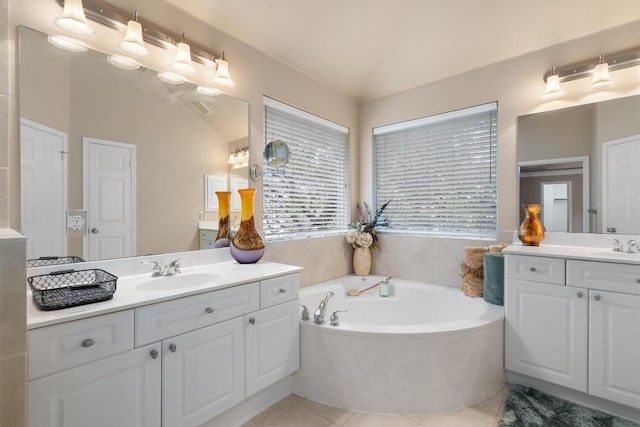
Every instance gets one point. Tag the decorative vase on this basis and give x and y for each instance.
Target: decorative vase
(247, 246)
(362, 261)
(531, 231)
(223, 239)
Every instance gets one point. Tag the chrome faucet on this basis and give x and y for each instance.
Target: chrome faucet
(633, 247)
(617, 246)
(318, 315)
(168, 270)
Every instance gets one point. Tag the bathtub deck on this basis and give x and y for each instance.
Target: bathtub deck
(294, 411)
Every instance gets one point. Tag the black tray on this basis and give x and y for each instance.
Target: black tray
(70, 288)
(52, 260)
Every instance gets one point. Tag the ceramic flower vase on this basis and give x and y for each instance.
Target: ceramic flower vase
(223, 239)
(531, 231)
(362, 261)
(247, 246)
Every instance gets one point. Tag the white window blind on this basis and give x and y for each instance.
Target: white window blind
(441, 172)
(309, 195)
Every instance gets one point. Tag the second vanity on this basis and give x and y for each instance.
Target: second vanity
(573, 324)
(170, 351)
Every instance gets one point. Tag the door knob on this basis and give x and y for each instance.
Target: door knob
(173, 348)
(95, 230)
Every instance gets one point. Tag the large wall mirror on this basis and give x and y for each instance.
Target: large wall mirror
(582, 164)
(117, 163)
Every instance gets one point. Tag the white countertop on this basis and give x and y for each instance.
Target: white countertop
(586, 253)
(129, 293)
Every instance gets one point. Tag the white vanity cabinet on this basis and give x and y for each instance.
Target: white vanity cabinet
(192, 358)
(579, 329)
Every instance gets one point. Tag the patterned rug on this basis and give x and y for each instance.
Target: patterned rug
(528, 407)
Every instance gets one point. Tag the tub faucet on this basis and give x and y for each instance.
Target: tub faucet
(318, 315)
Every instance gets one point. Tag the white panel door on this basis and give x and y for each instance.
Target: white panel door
(614, 347)
(43, 189)
(620, 186)
(122, 390)
(546, 332)
(272, 345)
(202, 373)
(109, 197)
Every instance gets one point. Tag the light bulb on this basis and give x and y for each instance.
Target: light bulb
(601, 74)
(67, 43)
(133, 43)
(208, 91)
(182, 62)
(222, 73)
(553, 84)
(123, 62)
(73, 19)
(171, 78)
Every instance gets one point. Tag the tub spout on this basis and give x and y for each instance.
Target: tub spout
(318, 315)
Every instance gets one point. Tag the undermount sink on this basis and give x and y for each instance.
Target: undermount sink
(609, 254)
(182, 280)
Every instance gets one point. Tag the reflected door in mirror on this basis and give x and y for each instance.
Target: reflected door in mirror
(621, 186)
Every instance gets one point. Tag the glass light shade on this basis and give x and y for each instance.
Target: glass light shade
(553, 85)
(73, 19)
(222, 74)
(67, 43)
(208, 91)
(601, 74)
(171, 78)
(123, 62)
(133, 44)
(182, 62)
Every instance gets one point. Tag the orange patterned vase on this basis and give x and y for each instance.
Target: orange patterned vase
(531, 231)
(223, 239)
(247, 246)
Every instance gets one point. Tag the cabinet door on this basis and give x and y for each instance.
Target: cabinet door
(202, 373)
(272, 346)
(122, 390)
(546, 332)
(614, 347)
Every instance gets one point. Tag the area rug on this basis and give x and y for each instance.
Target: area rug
(528, 407)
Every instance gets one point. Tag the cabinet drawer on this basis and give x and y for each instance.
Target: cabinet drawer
(208, 234)
(207, 244)
(278, 290)
(59, 347)
(535, 269)
(605, 276)
(167, 319)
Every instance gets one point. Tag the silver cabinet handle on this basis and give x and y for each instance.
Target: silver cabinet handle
(95, 230)
(533, 269)
(580, 294)
(172, 348)
(252, 320)
(209, 310)
(596, 297)
(154, 354)
(282, 290)
(88, 342)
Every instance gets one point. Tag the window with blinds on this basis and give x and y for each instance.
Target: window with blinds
(441, 172)
(310, 194)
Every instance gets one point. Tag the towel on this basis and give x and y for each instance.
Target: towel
(493, 279)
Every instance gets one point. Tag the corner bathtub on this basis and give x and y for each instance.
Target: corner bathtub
(427, 348)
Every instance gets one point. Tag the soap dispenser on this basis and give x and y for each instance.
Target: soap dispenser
(385, 288)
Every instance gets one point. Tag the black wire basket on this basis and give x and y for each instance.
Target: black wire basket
(52, 260)
(70, 288)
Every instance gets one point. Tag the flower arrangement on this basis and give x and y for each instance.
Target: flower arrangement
(362, 234)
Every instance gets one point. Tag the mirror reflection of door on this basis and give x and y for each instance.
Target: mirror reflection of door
(556, 205)
(109, 198)
(43, 160)
(621, 186)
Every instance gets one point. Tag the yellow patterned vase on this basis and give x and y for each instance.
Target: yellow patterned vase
(223, 239)
(247, 247)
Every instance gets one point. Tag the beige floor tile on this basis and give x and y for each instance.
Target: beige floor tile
(248, 424)
(266, 416)
(416, 418)
(336, 415)
(361, 419)
(468, 417)
(299, 416)
(493, 405)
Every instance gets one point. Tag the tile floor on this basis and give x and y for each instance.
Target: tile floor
(295, 411)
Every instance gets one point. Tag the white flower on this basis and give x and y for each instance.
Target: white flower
(351, 236)
(364, 240)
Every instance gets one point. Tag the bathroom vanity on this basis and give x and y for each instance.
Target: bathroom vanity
(573, 320)
(170, 351)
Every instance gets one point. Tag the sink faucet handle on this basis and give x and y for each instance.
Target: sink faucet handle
(632, 246)
(617, 246)
(335, 321)
(305, 312)
(157, 270)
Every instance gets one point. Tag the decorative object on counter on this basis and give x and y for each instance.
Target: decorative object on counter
(385, 287)
(531, 231)
(472, 270)
(493, 277)
(223, 238)
(69, 288)
(362, 236)
(353, 292)
(247, 247)
(52, 260)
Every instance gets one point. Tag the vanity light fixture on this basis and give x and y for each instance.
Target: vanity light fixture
(597, 69)
(133, 44)
(239, 158)
(222, 73)
(208, 91)
(73, 19)
(67, 43)
(182, 63)
(123, 62)
(171, 78)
